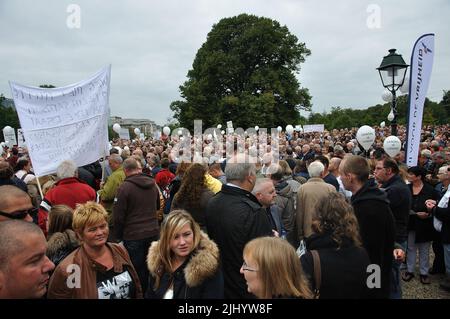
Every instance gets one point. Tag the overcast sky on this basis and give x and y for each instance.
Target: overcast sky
(151, 45)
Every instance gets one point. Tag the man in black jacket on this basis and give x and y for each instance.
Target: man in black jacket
(233, 218)
(399, 195)
(375, 219)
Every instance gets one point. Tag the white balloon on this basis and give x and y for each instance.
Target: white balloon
(2, 144)
(365, 136)
(223, 132)
(8, 129)
(116, 128)
(392, 145)
(279, 128)
(391, 116)
(137, 131)
(386, 96)
(180, 132)
(405, 87)
(289, 129)
(256, 128)
(219, 126)
(383, 124)
(166, 130)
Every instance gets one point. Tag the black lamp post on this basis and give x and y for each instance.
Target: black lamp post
(392, 73)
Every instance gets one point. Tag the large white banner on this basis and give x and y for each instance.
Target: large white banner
(313, 128)
(65, 123)
(420, 72)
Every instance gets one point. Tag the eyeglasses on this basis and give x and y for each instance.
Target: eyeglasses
(245, 267)
(19, 214)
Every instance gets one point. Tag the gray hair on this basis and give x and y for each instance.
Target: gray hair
(116, 158)
(66, 169)
(11, 233)
(130, 164)
(238, 168)
(260, 182)
(315, 169)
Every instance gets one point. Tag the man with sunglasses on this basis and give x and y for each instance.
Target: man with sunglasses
(15, 204)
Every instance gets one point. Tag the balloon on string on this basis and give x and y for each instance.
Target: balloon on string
(223, 132)
(405, 87)
(392, 145)
(116, 128)
(279, 128)
(219, 126)
(386, 96)
(383, 124)
(256, 128)
(391, 116)
(166, 130)
(289, 129)
(365, 136)
(137, 131)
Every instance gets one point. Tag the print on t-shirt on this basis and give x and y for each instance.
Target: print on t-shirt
(116, 287)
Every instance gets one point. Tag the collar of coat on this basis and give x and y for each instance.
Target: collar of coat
(203, 262)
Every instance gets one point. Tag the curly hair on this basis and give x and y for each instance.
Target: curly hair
(192, 186)
(335, 215)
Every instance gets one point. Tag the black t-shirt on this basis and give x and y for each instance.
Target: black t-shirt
(114, 285)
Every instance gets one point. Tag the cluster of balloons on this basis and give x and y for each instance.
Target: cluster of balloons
(366, 136)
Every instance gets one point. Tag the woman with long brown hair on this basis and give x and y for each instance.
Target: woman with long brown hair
(272, 270)
(343, 260)
(194, 195)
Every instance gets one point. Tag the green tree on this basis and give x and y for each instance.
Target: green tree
(245, 72)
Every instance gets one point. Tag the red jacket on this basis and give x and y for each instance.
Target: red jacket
(68, 191)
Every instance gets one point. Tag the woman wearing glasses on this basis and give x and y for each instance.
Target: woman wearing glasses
(184, 263)
(272, 269)
(97, 269)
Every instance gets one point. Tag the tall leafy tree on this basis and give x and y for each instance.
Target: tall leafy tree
(245, 72)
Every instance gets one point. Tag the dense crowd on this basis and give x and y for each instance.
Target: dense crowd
(300, 215)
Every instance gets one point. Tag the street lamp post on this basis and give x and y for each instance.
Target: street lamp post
(392, 73)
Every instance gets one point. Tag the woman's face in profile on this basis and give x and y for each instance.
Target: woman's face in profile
(182, 242)
(250, 271)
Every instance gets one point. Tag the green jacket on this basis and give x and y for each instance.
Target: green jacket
(109, 190)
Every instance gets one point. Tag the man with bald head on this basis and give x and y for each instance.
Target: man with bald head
(15, 204)
(24, 267)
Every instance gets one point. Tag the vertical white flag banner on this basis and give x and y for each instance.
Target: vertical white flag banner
(21, 139)
(66, 123)
(420, 72)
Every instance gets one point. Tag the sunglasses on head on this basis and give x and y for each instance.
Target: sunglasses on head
(19, 214)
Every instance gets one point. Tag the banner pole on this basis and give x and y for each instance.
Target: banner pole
(40, 188)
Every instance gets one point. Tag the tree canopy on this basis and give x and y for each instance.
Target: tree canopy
(245, 72)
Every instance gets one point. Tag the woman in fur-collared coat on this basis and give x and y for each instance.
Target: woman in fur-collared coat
(184, 263)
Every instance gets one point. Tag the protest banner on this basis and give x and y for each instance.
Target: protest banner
(66, 123)
(124, 133)
(313, 128)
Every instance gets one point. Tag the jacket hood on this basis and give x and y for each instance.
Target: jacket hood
(203, 262)
(141, 180)
(369, 192)
(396, 179)
(284, 189)
(62, 240)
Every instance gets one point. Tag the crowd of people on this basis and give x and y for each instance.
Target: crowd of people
(305, 215)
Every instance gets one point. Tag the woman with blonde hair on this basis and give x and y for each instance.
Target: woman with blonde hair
(97, 269)
(272, 269)
(343, 261)
(184, 263)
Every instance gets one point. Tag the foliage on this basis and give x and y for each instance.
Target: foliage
(245, 72)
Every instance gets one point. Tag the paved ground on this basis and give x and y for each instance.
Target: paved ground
(414, 289)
